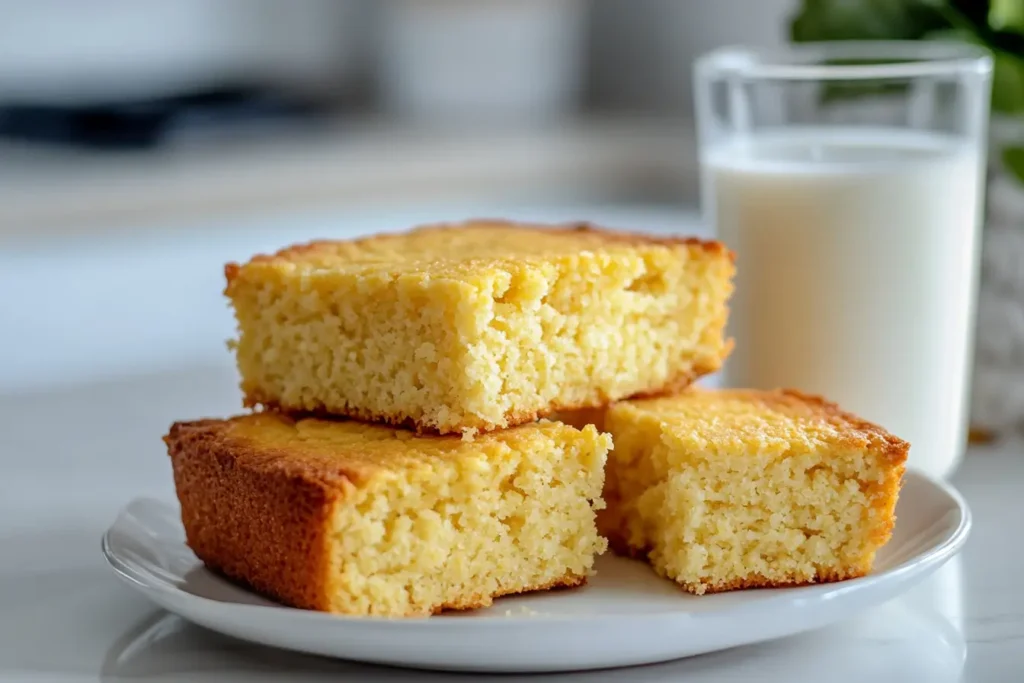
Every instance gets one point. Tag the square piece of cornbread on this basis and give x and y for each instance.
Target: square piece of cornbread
(724, 489)
(477, 326)
(359, 519)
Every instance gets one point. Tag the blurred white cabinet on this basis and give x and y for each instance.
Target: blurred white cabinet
(642, 51)
(495, 62)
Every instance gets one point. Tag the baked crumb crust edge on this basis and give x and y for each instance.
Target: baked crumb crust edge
(266, 528)
(613, 236)
(883, 498)
(253, 399)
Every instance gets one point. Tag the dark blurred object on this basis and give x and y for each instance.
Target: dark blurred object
(977, 436)
(866, 20)
(57, 51)
(146, 123)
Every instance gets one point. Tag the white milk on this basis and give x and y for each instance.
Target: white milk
(856, 258)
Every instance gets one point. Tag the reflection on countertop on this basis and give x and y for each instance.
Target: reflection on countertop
(896, 642)
(53, 582)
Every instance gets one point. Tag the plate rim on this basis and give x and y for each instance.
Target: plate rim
(924, 563)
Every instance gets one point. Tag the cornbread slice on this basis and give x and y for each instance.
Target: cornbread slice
(362, 519)
(737, 489)
(477, 326)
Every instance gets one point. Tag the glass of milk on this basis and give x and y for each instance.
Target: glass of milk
(848, 179)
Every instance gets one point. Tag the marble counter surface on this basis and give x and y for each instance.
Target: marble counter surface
(100, 353)
(72, 457)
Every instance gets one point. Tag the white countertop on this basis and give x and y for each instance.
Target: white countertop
(341, 164)
(105, 345)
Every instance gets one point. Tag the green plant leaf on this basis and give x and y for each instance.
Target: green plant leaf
(1007, 83)
(972, 16)
(1007, 70)
(818, 20)
(1006, 15)
(1013, 160)
(965, 13)
(956, 34)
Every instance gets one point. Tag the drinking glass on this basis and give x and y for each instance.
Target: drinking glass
(848, 180)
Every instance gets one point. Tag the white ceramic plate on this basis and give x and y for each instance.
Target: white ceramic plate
(626, 615)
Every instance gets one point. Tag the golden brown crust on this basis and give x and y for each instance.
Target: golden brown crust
(893, 447)
(752, 581)
(882, 497)
(618, 236)
(252, 399)
(568, 581)
(755, 580)
(264, 527)
(617, 543)
(853, 432)
(259, 515)
(678, 383)
(288, 460)
(231, 270)
(466, 603)
(978, 435)
(230, 273)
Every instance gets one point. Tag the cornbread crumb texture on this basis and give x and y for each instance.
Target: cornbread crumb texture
(479, 325)
(363, 519)
(736, 489)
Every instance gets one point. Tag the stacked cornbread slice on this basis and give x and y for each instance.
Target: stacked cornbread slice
(355, 518)
(739, 489)
(399, 466)
(480, 326)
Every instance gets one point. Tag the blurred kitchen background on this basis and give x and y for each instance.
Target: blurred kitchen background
(127, 112)
(143, 143)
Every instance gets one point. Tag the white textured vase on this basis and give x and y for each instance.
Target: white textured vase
(997, 404)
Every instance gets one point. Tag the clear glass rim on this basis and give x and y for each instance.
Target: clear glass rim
(803, 61)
